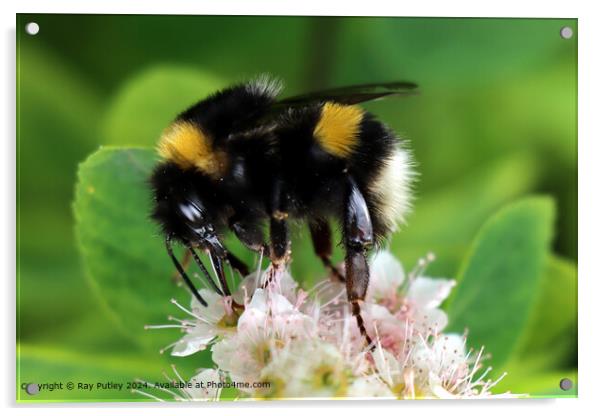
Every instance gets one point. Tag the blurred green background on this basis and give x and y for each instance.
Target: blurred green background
(496, 120)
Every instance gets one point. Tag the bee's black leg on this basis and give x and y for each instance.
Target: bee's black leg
(204, 270)
(279, 232)
(176, 263)
(249, 234)
(234, 261)
(218, 266)
(322, 241)
(280, 242)
(176, 277)
(358, 238)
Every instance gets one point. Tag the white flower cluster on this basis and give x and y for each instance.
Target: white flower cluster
(299, 344)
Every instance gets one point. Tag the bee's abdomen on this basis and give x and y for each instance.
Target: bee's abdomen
(374, 156)
(321, 145)
(383, 168)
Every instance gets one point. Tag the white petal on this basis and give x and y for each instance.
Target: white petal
(378, 313)
(330, 290)
(266, 301)
(386, 274)
(251, 319)
(430, 321)
(262, 305)
(293, 325)
(193, 342)
(245, 288)
(429, 293)
(369, 386)
(279, 304)
(450, 342)
(237, 356)
(451, 352)
(299, 362)
(259, 301)
(387, 366)
(287, 286)
(437, 388)
(214, 311)
(204, 393)
(224, 351)
(423, 361)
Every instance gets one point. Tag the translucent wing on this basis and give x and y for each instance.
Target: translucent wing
(349, 95)
(354, 94)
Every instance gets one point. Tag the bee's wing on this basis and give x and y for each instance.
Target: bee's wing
(354, 94)
(349, 95)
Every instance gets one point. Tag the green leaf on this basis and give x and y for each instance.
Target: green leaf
(57, 127)
(498, 283)
(150, 101)
(123, 253)
(57, 111)
(429, 227)
(551, 336)
(490, 49)
(54, 364)
(50, 364)
(544, 384)
(556, 309)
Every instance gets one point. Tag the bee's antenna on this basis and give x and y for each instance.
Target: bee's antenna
(199, 263)
(176, 263)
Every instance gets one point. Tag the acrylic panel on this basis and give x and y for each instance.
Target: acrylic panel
(448, 182)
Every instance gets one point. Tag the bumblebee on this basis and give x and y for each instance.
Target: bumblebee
(242, 159)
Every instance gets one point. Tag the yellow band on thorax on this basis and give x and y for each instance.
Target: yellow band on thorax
(187, 146)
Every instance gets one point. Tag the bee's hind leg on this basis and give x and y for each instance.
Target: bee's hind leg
(280, 244)
(321, 238)
(358, 239)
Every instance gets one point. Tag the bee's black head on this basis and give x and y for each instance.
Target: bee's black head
(184, 206)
